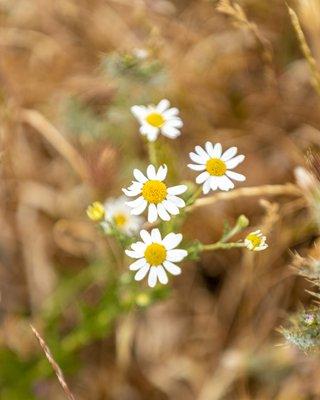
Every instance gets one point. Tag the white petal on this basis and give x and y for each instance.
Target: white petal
(134, 203)
(162, 212)
(162, 276)
(224, 183)
(177, 201)
(172, 268)
(170, 207)
(152, 213)
(132, 192)
(132, 254)
(170, 132)
(179, 189)
(142, 272)
(156, 236)
(257, 232)
(197, 167)
(171, 112)
(236, 176)
(199, 150)
(145, 236)
(139, 112)
(174, 122)
(139, 210)
(214, 183)
(202, 177)
(209, 149)
(151, 172)
(139, 176)
(206, 186)
(135, 186)
(199, 159)
(234, 161)
(229, 154)
(150, 131)
(162, 172)
(172, 240)
(152, 278)
(163, 105)
(217, 150)
(139, 247)
(176, 255)
(137, 264)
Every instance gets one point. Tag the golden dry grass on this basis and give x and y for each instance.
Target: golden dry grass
(238, 76)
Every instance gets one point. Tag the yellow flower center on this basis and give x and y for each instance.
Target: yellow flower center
(155, 119)
(154, 191)
(255, 240)
(155, 254)
(216, 167)
(120, 219)
(95, 211)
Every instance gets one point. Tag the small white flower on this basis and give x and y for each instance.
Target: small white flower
(216, 167)
(160, 118)
(161, 200)
(256, 241)
(156, 256)
(118, 213)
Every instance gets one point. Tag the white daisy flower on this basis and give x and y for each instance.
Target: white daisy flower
(118, 213)
(160, 118)
(161, 200)
(256, 241)
(156, 256)
(216, 167)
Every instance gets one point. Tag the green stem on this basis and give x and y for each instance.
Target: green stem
(153, 153)
(221, 245)
(194, 196)
(242, 223)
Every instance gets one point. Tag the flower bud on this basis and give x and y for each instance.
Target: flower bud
(96, 211)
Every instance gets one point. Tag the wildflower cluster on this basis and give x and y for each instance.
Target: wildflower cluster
(155, 254)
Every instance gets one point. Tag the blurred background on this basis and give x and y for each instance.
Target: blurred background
(69, 72)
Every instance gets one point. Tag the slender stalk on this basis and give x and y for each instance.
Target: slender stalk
(194, 196)
(242, 223)
(222, 246)
(305, 50)
(57, 140)
(54, 365)
(265, 190)
(153, 153)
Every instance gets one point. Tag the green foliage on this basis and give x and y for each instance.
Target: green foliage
(118, 295)
(137, 65)
(80, 119)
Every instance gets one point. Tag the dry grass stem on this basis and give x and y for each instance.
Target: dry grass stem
(305, 50)
(235, 11)
(56, 139)
(266, 190)
(54, 365)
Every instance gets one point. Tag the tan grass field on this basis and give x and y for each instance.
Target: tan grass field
(241, 74)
